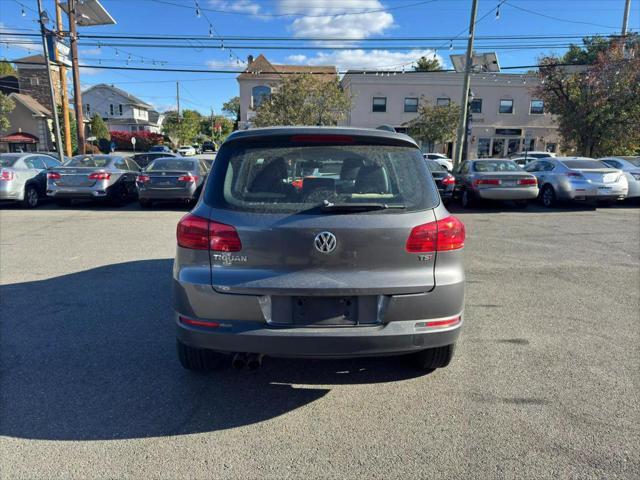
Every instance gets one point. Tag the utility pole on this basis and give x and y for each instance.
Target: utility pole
(63, 88)
(77, 93)
(213, 133)
(178, 99)
(42, 17)
(462, 124)
(625, 17)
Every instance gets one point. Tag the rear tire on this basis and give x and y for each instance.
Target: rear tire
(198, 359)
(31, 197)
(548, 196)
(433, 358)
(467, 200)
(118, 196)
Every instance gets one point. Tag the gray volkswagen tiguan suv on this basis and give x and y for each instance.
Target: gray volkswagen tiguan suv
(319, 243)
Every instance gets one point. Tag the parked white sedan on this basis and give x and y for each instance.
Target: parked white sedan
(186, 151)
(439, 158)
(631, 168)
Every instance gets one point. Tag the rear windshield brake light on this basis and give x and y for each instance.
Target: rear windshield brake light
(322, 139)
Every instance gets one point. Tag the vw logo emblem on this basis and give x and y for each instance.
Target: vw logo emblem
(325, 242)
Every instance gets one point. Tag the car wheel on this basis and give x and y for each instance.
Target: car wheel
(548, 196)
(467, 200)
(63, 202)
(433, 358)
(144, 203)
(31, 197)
(118, 196)
(198, 359)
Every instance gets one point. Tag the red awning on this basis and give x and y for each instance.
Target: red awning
(19, 137)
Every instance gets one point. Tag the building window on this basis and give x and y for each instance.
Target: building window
(410, 104)
(379, 104)
(111, 109)
(120, 109)
(259, 94)
(537, 107)
(35, 81)
(443, 102)
(88, 109)
(483, 147)
(476, 105)
(506, 106)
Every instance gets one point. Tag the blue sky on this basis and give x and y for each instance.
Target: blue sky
(355, 20)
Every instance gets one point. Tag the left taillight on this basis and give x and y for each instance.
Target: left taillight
(7, 175)
(442, 235)
(54, 176)
(199, 233)
(99, 176)
(449, 180)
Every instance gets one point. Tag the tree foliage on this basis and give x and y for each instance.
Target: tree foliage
(232, 107)
(183, 130)
(304, 99)
(222, 127)
(6, 68)
(435, 123)
(73, 129)
(597, 106)
(144, 140)
(424, 64)
(6, 106)
(99, 128)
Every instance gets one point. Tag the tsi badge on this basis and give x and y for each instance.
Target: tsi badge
(425, 258)
(228, 259)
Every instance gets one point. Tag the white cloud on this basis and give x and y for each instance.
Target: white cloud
(364, 59)
(89, 51)
(240, 6)
(346, 22)
(226, 63)
(90, 71)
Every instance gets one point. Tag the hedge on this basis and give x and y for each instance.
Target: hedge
(144, 140)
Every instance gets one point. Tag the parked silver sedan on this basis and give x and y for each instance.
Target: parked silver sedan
(23, 177)
(171, 179)
(631, 168)
(109, 177)
(577, 178)
(493, 179)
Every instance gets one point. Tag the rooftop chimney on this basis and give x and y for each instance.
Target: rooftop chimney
(249, 59)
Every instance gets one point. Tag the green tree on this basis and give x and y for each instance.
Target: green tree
(232, 108)
(6, 68)
(597, 106)
(435, 123)
(6, 105)
(424, 64)
(182, 130)
(222, 126)
(304, 99)
(73, 129)
(99, 128)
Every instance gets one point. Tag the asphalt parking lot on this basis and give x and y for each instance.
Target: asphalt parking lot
(545, 382)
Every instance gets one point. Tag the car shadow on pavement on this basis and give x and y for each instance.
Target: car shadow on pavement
(91, 356)
(532, 207)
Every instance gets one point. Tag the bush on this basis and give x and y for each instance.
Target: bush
(144, 140)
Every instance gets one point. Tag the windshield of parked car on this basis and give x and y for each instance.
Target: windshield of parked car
(585, 164)
(294, 179)
(496, 166)
(435, 166)
(89, 161)
(8, 160)
(165, 164)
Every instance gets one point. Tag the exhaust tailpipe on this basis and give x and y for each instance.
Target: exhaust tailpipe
(239, 361)
(254, 361)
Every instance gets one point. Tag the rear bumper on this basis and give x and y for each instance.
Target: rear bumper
(594, 192)
(77, 192)
(394, 338)
(8, 192)
(499, 193)
(166, 193)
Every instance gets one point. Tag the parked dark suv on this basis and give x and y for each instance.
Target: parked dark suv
(318, 242)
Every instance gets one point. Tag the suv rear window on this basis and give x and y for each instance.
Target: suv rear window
(274, 178)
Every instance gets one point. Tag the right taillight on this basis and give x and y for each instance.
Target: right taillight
(143, 178)
(574, 175)
(527, 181)
(442, 235)
(199, 233)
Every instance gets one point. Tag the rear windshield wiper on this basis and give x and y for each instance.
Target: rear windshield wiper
(328, 206)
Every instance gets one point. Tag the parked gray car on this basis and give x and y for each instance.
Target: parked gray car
(23, 177)
(171, 179)
(444, 180)
(108, 177)
(631, 168)
(331, 270)
(577, 178)
(493, 179)
(144, 159)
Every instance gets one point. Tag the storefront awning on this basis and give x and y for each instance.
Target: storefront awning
(19, 137)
